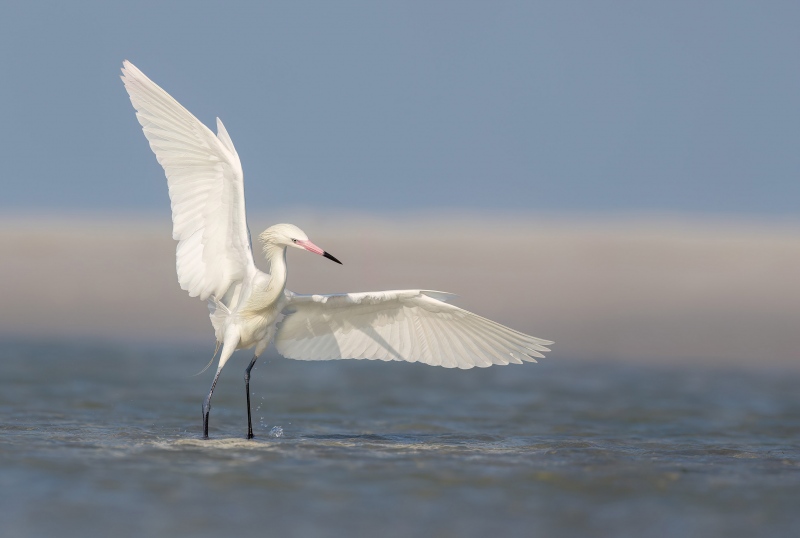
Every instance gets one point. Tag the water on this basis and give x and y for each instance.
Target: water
(104, 440)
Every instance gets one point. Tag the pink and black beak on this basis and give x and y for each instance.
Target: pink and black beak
(311, 247)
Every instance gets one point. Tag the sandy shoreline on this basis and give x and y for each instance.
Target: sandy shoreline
(637, 288)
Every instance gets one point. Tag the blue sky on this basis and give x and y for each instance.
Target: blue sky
(526, 107)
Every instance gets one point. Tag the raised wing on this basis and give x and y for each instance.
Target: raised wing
(206, 188)
(407, 325)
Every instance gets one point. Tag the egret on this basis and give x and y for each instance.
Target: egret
(250, 308)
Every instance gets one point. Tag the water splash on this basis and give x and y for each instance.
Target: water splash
(276, 431)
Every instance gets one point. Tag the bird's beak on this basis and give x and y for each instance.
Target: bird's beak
(311, 247)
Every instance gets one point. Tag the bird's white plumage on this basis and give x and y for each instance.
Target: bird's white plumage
(206, 187)
(215, 262)
(405, 325)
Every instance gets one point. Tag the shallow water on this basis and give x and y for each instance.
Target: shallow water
(102, 440)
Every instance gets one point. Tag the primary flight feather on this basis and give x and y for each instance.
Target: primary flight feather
(214, 261)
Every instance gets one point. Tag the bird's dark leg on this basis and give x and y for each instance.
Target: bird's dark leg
(247, 390)
(207, 404)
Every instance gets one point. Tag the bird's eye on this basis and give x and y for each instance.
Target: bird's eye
(294, 240)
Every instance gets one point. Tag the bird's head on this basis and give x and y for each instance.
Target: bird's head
(289, 235)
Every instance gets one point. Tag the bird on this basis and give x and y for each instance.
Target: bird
(250, 308)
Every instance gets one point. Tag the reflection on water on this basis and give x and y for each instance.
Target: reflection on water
(105, 440)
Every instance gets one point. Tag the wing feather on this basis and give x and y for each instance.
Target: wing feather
(407, 325)
(441, 344)
(490, 342)
(206, 188)
(406, 337)
(484, 353)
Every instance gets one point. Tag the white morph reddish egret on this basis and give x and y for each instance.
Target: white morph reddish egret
(215, 263)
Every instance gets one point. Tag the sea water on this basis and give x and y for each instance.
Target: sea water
(105, 440)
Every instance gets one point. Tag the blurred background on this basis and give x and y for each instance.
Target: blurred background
(618, 177)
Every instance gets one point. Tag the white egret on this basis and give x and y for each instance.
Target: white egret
(249, 308)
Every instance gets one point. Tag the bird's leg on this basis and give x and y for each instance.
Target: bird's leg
(207, 403)
(247, 390)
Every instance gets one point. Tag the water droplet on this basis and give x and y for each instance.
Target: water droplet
(276, 431)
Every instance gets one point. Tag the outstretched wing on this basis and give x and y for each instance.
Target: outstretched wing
(206, 188)
(407, 325)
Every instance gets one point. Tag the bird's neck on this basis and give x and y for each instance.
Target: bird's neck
(264, 300)
(276, 257)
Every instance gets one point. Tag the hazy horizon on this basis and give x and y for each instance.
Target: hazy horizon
(634, 289)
